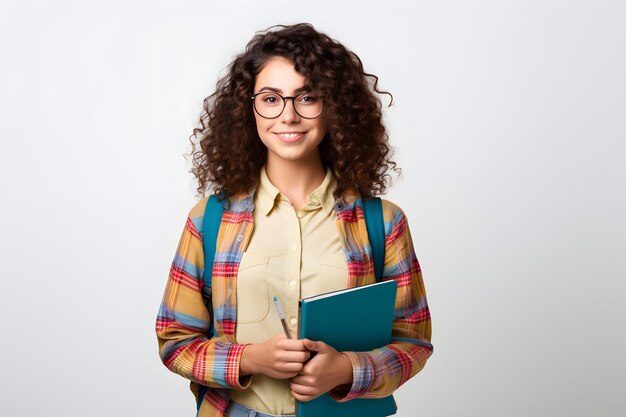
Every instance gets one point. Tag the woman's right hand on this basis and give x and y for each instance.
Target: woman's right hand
(278, 357)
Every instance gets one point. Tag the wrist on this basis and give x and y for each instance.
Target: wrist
(346, 367)
(247, 364)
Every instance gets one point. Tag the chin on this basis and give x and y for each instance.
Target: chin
(290, 156)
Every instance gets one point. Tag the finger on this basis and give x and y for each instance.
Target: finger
(289, 367)
(302, 398)
(283, 375)
(302, 380)
(316, 346)
(290, 344)
(311, 368)
(302, 389)
(293, 356)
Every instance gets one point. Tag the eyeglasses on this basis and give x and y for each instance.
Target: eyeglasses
(270, 105)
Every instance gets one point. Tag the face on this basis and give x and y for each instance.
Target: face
(288, 137)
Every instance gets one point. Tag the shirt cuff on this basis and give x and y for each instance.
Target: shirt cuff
(362, 378)
(232, 368)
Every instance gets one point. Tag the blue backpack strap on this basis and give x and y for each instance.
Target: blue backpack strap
(210, 228)
(373, 210)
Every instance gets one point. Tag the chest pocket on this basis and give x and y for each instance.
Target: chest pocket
(333, 273)
(252, 289)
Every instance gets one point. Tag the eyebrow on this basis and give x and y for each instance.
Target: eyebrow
(278, 90)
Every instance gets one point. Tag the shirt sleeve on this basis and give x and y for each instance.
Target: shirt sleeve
(183, 322)
(378, 373)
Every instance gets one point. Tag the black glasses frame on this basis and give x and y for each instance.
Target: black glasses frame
(293, 102)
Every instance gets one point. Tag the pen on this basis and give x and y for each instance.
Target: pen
(281, 316)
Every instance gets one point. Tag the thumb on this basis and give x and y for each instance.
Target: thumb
(314, 346)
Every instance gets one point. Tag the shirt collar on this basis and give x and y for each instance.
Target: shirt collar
(268, 195)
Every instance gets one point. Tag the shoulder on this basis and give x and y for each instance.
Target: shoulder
(236, 203)
(195, 217)
(391, 211)
(394, 218)
(198, 208)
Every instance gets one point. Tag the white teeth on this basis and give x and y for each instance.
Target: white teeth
(289, 135)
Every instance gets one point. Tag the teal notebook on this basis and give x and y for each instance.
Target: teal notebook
(354, 319)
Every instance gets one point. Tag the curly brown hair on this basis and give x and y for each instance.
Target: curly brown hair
(355, 147)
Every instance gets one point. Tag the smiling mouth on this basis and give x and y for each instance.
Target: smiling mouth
(290, 137)
(290, 134)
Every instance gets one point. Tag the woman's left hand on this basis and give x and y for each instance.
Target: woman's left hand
(326, 370)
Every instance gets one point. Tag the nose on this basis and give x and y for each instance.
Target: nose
(289, 112)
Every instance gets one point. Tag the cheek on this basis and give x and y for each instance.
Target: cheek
(321, 123)
(262, 128)
(321, 128)
(262, 125)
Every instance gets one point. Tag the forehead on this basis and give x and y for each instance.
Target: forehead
(280, 73)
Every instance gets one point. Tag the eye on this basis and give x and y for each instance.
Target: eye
(270, 99)
(307, 99)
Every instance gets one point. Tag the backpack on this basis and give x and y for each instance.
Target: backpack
(373, 210)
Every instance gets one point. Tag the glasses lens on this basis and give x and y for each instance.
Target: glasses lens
(308, 105)
(268, 105)
(271, 105)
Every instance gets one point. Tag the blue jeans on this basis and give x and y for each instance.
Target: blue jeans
(238, 410)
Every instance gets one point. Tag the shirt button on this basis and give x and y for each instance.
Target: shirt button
(300, 214)
(292, 283)
(294, 248)
(293, 322)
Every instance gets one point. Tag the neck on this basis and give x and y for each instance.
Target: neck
(295, 179)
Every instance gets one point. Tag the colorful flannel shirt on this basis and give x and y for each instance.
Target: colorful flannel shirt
(212, 364)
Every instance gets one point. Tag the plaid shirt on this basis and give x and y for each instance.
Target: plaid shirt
(212, 365)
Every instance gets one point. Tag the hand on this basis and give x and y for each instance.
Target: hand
(326, 370)
(278, 357)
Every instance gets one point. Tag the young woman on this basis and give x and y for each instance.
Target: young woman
(293, 137)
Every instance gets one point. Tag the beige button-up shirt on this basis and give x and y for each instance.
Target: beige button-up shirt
(292, 254)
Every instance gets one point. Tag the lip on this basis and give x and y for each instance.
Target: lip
(289, 139)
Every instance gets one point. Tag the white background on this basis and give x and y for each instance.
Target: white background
(508, 121)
